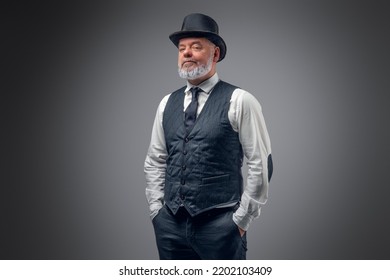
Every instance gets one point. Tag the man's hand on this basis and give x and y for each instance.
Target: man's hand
(242, 232)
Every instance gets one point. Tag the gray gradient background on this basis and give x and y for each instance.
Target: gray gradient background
(84, 82)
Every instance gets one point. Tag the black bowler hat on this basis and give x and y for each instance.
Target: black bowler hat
(200, 25)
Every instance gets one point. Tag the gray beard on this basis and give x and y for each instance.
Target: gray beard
(197, 72)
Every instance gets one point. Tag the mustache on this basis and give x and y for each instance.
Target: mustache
(188, 60)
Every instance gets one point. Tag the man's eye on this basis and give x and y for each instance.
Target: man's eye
(196, 47)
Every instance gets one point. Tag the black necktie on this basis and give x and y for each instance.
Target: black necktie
(190, 112)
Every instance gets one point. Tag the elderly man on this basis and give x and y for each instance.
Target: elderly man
(200, 207)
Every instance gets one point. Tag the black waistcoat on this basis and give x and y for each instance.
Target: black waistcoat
(203, 166)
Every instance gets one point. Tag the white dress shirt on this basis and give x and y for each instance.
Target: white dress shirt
(246, 118)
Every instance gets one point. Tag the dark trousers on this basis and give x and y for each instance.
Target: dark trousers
(210, 235)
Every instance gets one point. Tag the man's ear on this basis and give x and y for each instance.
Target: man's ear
(217, 53)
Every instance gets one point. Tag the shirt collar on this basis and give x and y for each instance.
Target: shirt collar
(206, 86)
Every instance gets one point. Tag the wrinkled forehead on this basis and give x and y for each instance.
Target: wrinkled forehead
(194, 40)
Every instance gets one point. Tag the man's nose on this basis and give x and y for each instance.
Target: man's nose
(187, 52)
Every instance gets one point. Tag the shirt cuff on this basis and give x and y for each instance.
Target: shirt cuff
(154, 211)
(242, 219)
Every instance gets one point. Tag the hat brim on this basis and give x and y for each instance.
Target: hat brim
(214, 38)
